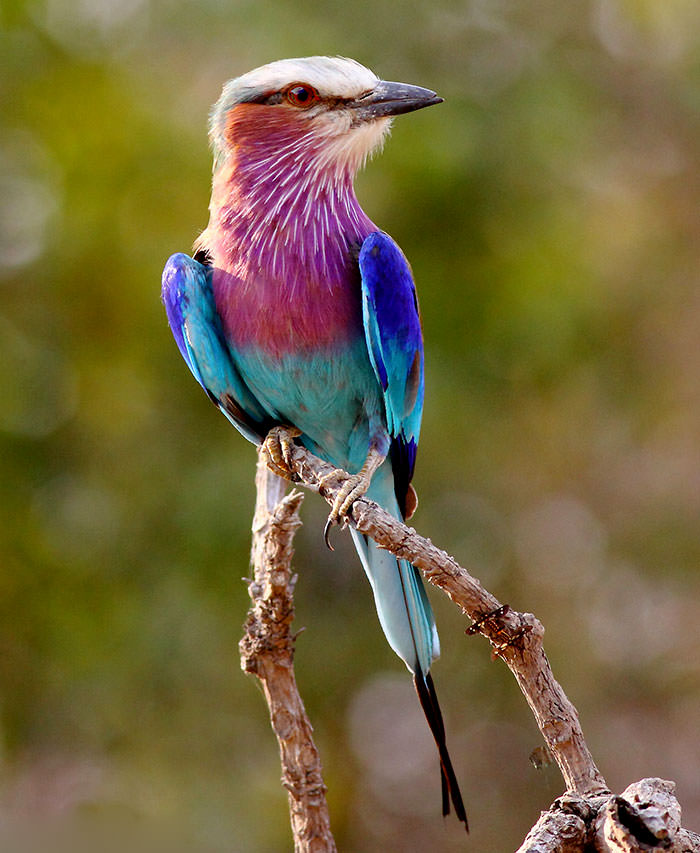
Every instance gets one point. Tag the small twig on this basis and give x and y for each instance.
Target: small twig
(267, 650)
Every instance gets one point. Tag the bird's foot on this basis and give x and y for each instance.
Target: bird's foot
(277, 448)
(353, 488)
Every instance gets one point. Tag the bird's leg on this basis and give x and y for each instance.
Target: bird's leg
(277, 449)
(352, 489)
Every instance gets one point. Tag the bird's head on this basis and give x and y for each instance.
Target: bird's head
(334, 110)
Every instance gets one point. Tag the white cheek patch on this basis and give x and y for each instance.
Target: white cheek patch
(346, 145)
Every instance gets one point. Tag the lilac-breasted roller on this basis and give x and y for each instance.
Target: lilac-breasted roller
(297, 311)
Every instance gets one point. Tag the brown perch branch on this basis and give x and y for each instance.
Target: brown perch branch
(515, 637)
(586, 818)
(267, 650)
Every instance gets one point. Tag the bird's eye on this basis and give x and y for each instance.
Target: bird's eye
(301, 95)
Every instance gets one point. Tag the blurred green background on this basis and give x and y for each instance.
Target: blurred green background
(550, 210)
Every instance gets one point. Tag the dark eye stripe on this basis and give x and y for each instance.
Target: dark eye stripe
(271, 98)
(262, 98)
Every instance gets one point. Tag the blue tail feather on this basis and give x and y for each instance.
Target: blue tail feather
(407, 620)
(402, 604)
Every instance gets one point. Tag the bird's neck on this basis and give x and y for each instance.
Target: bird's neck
(282, 211)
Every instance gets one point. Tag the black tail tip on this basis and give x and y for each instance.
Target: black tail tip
(449, 784)
(450, 791)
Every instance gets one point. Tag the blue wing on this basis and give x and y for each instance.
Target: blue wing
(189, 303)
(395, 346)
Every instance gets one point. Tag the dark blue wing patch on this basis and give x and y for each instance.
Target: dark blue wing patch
(395, 346)
(196, 326)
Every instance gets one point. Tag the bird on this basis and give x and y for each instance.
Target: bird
(299, 316)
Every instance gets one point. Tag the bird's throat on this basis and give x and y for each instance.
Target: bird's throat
(283, 238)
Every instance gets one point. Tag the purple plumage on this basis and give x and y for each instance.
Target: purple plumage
(284, 235)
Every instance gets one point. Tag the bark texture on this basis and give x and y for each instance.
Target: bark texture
(587, 818)
(646, 816)
(267, 651)
(515, 637)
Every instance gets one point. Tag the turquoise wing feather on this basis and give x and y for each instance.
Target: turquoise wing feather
(196, 326)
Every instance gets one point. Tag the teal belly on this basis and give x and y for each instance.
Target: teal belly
(333, 397)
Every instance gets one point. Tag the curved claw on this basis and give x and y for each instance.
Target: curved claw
(353, 488)
(330, 521)
(333, 516)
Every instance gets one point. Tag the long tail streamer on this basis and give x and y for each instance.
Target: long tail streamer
(431, 708)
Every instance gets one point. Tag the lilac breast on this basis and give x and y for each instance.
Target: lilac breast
(299, 313)
(285, 236)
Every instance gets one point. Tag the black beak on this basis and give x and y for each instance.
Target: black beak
(392, 99)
